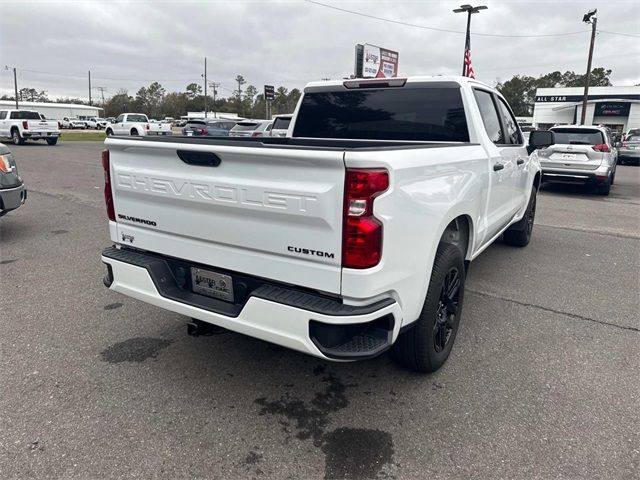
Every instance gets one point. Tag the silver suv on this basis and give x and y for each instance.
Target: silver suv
(583, 154)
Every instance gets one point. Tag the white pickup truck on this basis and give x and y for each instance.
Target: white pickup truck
(23, 125)
(136, 124)
(347, 238)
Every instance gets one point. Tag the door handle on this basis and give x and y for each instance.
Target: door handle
(497, 167)
(520, 161)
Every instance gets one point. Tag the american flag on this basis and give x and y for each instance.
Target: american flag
(468, 68)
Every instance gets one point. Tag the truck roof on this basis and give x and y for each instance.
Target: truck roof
(396, 81)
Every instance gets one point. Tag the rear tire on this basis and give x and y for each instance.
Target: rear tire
(17, 138)
(603, 188)
(519, 234)
(52, 141)
(134, 132)
(109, 132)
(426, 347)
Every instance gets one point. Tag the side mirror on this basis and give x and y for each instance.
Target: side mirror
(540, 139)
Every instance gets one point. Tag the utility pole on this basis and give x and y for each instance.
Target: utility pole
(90, 88)
(205, 87)
(214, 86)
(467, 45)
(589, 17)
(101, 90)
(15, 83)
(240, 79)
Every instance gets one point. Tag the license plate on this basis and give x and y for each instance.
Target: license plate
(189, 134)
(212, 284)
(568, 156)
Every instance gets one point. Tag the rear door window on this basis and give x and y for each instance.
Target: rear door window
(419, 114)
(578, 136)
(489, 116)
(509, 122)
(3, 115)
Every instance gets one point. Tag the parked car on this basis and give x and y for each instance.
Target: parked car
(111, 119)
(631, 131)
(251, 128)
(581, 154)
(90, 123)
(13, 193)
(346, 239)
(73, 122)
(281, 125)
(136, 124)
(23, 125)
(97, 123)
(211, 128)
(629, 150)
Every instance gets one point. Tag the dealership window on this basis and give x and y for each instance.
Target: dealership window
(489, 116)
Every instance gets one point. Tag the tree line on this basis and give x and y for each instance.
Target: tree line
(520, 90)
(154, 101)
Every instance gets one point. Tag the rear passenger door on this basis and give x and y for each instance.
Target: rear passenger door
(503, 201)
(515, 149)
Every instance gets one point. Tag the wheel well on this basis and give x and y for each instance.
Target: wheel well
(133, 130)
(536, 180)
(14, 128)
(458, 233)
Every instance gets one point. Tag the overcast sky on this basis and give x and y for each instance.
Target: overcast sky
(128, 44)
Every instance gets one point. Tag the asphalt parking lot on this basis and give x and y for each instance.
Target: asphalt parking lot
(543, 381)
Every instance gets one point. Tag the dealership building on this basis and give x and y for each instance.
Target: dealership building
(54, 111)
(616, 107)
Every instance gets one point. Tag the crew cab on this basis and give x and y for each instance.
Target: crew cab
(23, 125)
(72, 122)
(349, 237)
(137, 124)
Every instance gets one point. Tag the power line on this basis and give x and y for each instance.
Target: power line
(435, 29)
(620, 33)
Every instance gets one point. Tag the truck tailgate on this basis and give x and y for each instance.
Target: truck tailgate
(269, 212)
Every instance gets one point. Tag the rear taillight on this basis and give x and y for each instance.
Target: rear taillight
(147, 126)
(25, 125)
(203, 131)
(108, 195)
(361, 231)
(603, 147)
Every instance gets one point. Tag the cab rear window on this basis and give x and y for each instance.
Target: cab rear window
(25, 115)
(419, 114)
(578, 136)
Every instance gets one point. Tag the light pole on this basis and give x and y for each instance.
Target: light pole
(467, 44)
(589, 17)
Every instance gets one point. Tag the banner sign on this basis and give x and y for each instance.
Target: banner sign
(378, 62)
(612, 109)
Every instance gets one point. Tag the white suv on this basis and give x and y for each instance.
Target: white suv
(581, 154)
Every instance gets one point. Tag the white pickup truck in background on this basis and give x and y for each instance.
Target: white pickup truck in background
(350, 237)
(137, 124)
(23, 125)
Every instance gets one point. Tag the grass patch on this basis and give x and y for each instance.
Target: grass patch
(82, 136)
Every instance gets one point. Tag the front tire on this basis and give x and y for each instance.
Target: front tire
(17, 138)
(426, 347)
(519, 234)
(109, 132)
